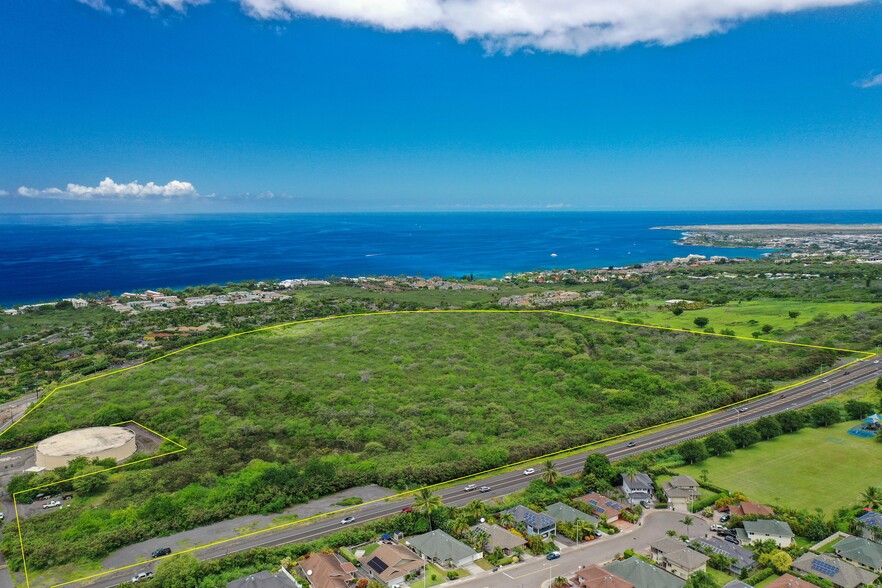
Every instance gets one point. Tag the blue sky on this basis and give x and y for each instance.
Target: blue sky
(249, 108)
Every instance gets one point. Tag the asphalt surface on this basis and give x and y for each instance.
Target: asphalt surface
(506, 483)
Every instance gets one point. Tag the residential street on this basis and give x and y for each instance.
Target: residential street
(535, 571)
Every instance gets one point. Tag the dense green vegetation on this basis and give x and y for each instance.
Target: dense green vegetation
(277, 418)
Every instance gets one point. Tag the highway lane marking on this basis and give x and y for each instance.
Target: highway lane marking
(562, 452)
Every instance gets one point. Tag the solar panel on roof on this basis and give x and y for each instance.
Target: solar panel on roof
(611, 504)
(824, 567)
(600, 510)
(592, 501)
(377, 565)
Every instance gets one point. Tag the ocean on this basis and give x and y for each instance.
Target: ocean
(47, 257)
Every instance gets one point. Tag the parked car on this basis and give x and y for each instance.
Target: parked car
(725, 517)
(161, 552)
(718, 528)
(52, 504)
(142, 576)
(67, 497)
(731, 539)
(2, 516)
(553, 555)
(645, 504)
(347, 520)
(529, 471)
(470, 487)
(484, 489)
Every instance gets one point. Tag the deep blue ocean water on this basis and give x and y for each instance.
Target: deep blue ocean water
(45, 257)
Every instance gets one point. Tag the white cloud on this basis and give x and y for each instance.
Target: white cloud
(570, 26)
(4, 193)
(870, 81)
(107, 189)
(96, 4)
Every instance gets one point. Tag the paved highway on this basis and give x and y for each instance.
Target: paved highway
(506, 483)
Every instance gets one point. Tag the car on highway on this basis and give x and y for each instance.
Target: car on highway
(553, 555)
(407, 509)
(875, 361)
(161, 552)
(52, 504)
(2, 516)
(742, 409)
(470, 487)
(631, 444)
(484, 489)
(142, 576)
(529, 472)
(347, 520)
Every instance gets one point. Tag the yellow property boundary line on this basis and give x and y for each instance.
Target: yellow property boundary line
(180, 448)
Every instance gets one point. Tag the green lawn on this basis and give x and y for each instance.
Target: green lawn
(722, 578)
(737, 316)
(815, 468)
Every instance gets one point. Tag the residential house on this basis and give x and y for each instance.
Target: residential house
(562, 512)
(265, 580)
(841, 573)
(637, 488)
(677, 557)
(642, 574)
(604, 506)
(443, 549)
(743, 559)
(765, 529)
(789, 581)
(860, 551)
(494, 536)
(871, 524)
(390, 563)
(597, 577)
(745, 508)
(681, 492)
(536, 523)
(326, 570)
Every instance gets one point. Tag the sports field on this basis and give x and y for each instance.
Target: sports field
(816, 468)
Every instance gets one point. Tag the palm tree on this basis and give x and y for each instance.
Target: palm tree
(459, 526)
(507, 520)
(671, 533)
(427, 502)
(550, 476)
(475, 509)
(871, 497)
(687, 522)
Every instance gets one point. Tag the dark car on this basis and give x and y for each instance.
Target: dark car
(725, 518)
(731, 539)
(161, 552)
(553, 555)
(67, 497)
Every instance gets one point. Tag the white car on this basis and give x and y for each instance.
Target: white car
(347, 520)
(875, 361)
(142, 576)
(470, 487)
(484, 489)
(52, 504)
(529, 471)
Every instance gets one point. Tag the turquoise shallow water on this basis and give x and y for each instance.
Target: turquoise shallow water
(44, 257)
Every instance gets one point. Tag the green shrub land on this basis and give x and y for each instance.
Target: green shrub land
(277, 418)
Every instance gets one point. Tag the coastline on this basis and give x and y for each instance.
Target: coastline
(875, 228)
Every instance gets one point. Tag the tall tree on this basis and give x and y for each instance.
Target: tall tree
(687, 522)
(550, 475)
(871, 497)
(427, 503)
(598, 465)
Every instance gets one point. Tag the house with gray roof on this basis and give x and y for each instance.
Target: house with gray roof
(677, 557)
(642, 574)
(841, 573)
(765, 529)
(443, 549)
(265, 580)
(536, 523)
(562, 512)
(637, 488)
(681, 491)
(493, 536)
(742, 559)
(860, 551)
